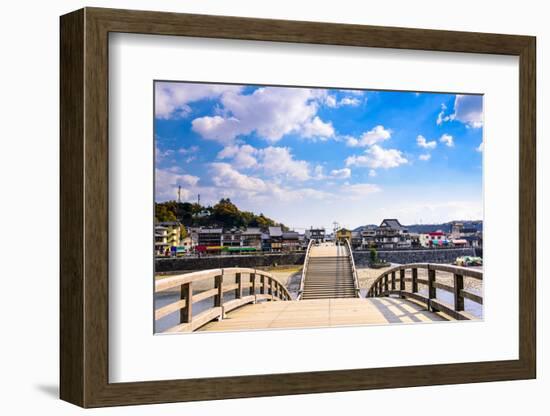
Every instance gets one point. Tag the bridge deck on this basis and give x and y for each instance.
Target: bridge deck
(324, 313)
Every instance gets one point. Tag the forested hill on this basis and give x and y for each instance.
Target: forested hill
(223, 214)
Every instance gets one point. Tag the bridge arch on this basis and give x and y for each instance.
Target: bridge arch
(251, 286)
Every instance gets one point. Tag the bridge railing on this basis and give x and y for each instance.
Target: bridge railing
(354, 271)
(389, 284)
(304, 270)
(250, 286)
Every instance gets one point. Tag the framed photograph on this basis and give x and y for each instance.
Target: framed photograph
(255, 207)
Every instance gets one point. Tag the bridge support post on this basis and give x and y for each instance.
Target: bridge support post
(386, 287)
(264, 286)
(414, 280)
(431, 289)
(252, 290)
(392, 280)
(186, 293)
(458, 286)
(218, 299)
(402, 281)
(239, 290)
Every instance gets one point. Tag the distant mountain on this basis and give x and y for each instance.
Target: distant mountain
(428, 228)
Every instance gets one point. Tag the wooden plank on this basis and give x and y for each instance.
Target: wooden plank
(198, 321)
(229, 288)
(174, 281)
(263, 296)
(186, 294)
(218, 285)
(414, 280)
(449, 310)
(464, 271)
(170, 308)
(239, 289)
(236, 303)
(457, 292)
(472, 296)
(204, 295)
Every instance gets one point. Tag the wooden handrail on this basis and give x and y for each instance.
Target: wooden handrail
(353, 270)
(270, 288)
(381, 286)
(304, 270)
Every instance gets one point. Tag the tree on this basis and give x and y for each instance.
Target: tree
(163, 214)
(373, 256)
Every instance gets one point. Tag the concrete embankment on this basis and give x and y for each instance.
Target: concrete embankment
(439, 255)
(214, 262)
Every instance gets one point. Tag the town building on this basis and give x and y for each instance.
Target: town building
(209, 237)
(290, 241)
(276, 238)
(343, 234)
(434, 239)
(390, 234)
(316, 234)
(252, 238)
(368, 237)
(356, 240)
(167, 235)
(231, 237)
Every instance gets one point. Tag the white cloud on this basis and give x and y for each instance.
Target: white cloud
(172, 98)
(373, 136)
(372, 173)
(376, 157)
(425, 157)
(279, 161)
(422, 142)
(244, 157)
(223, 175)
(441, 117)
(168, 180)
(359, 190)
(468, 109)
(480, 147)
(447, 139)
(341, 173)
(352, 101)
(188, 150)
(160, 155)
(317, 128)
(271, 112)
(330, 101)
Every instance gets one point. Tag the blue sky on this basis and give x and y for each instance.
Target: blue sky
(309, 156)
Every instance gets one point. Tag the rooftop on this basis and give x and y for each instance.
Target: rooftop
(275, 232)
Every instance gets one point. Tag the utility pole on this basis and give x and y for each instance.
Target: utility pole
(199, 199)
(179, 194)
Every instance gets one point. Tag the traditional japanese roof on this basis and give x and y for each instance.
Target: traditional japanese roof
(291, 235)
(275, 232)
(392, 223)
(252, 231)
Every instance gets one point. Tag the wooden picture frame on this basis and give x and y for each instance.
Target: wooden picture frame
(84, 207)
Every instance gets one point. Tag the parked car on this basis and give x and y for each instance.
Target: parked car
(469, 261)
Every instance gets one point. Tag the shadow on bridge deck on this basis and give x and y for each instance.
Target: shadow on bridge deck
(324, 313)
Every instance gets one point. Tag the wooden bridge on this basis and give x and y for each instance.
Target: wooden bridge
(329, 272)
(246, 299)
